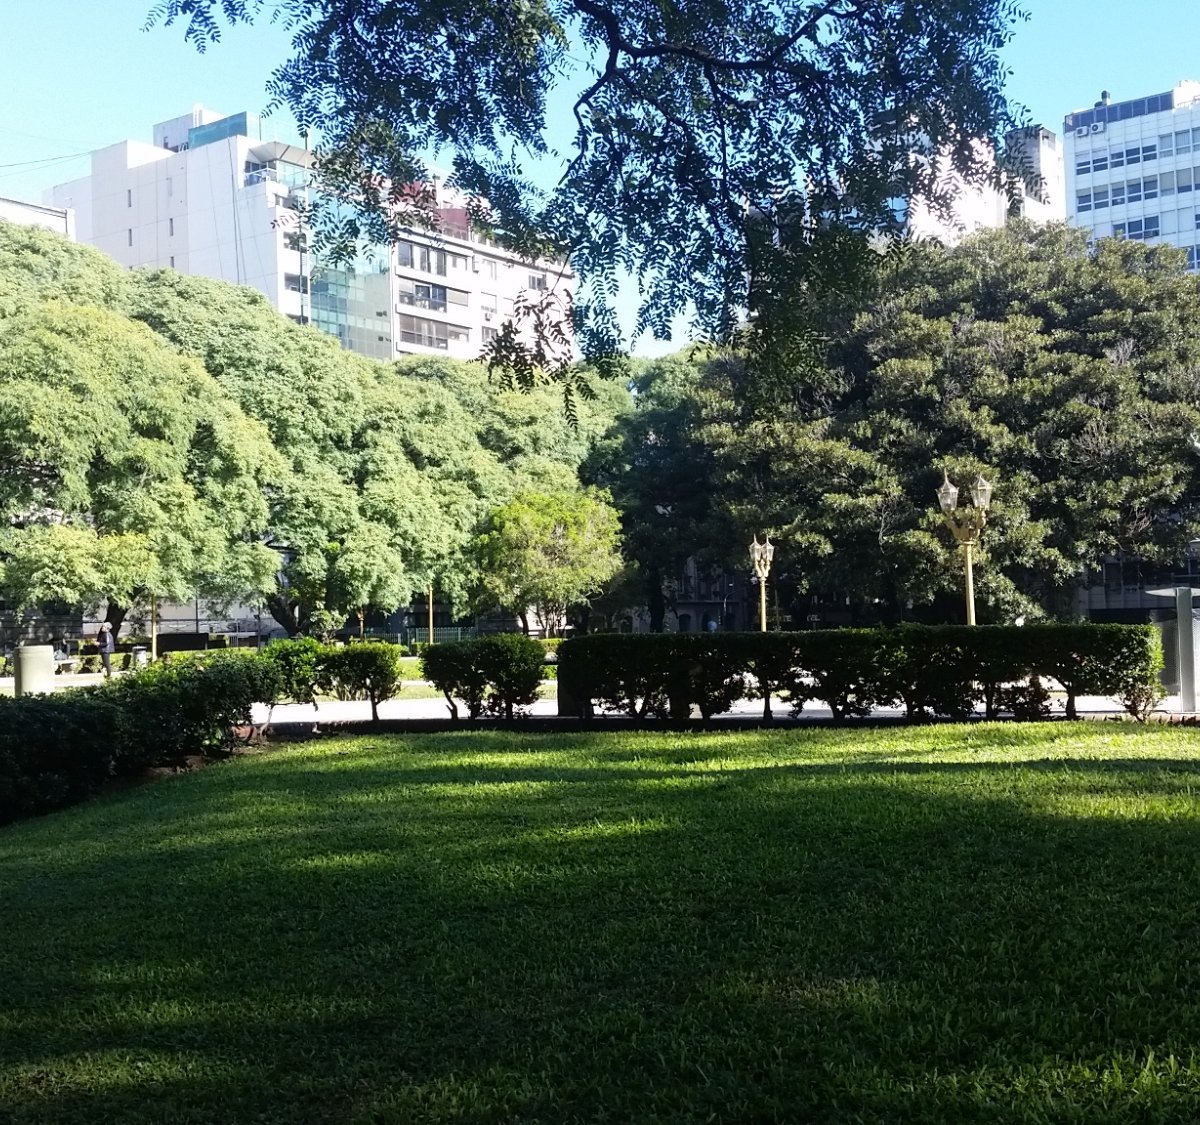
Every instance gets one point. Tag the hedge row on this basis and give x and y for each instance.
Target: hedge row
(497, 674)
(364, 670)
(58, 749)
(941, 671)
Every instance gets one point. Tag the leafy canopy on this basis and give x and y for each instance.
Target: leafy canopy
(548, 551)
(639, 136)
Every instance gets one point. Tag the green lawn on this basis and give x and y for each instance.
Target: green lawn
(944, 924)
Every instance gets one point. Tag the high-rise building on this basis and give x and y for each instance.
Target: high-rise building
(58, 219)
(1133, 168)
(214, 196)
(973, 207)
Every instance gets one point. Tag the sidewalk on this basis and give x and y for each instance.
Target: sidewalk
(426, 709)
(335, 711)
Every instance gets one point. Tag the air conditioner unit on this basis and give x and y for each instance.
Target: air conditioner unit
(1082, 131)
(487, 316)
(1096, 127)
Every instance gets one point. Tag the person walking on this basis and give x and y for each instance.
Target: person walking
(107, 645)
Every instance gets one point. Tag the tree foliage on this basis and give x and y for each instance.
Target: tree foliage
(548, 552)
(127, 472)
(1065, 375)
(683, 116)
(169, 436)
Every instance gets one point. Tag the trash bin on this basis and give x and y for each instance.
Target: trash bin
(141, 656)
(33, 669)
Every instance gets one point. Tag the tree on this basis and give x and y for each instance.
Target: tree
(660, 472)
(125, 473)
(1067, 376)
(548, 552)
(813, 115)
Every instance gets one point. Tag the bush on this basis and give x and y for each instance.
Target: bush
(370, 670)
(58, 749)
(453, 670)
(498, 674)
(943, 671)
(299, 664)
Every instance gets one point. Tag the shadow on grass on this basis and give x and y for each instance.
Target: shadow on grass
(383, 938)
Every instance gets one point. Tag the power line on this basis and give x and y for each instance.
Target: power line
(46, 160)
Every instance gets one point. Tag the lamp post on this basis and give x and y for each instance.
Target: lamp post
(966, 525)
(761, 555)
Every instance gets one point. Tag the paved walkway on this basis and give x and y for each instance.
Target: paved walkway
(337, 712)
(334, 711)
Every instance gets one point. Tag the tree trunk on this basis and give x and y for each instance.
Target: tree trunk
(115, 616)
(523, 618)
(285, 613)
(656, 603)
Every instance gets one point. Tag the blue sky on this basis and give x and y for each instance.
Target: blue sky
(78, 74)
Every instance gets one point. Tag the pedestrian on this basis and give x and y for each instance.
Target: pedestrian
(107, 644)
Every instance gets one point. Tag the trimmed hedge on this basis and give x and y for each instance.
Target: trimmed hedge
(58, 749)
(366, 670)
(498, 674)
(944, 671)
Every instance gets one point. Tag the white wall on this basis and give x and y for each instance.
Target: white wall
(58, 219)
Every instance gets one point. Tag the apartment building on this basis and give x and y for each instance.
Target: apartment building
(1133, 168)
(1036, 151)
(214, 196)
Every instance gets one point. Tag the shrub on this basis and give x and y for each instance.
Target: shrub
(498, 674)
(512, 667)
(299, 663)
(58, 749)
(370, 670)
(453, 670)
(943, 670)
(841, 668)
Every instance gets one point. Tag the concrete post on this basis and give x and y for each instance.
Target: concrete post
(1186, 642)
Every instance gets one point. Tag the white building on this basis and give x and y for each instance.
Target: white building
(1039, 153)
(973, 207)
(212, 196)
(60, 220)
(1133, 168)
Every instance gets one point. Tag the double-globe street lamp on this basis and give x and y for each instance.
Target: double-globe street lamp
(761, 555)
(966, 525)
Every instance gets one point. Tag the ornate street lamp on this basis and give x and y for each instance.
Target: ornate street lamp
(966, 525)
(761, 555)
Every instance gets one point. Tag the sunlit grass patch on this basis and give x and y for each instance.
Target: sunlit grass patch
(941, 924)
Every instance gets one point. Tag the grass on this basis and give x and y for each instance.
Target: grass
(945, 925)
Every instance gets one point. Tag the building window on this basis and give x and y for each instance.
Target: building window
(172, 261)
(487, 302)
(489, 334)
(458, 262)
(457, 297)
(1100, 198)
(1083, 201)
(295, 283)
(537, 281)
(1183, 180)
(294, 240)
(489, 268)
(422, 295)
(171, 227)
(1138, 229)
(431, 333)
(129, 237)
(129, 197)
(1118, 194)
(1193, 257)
